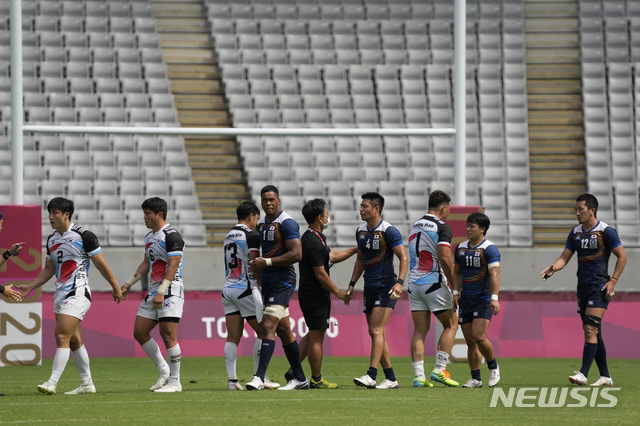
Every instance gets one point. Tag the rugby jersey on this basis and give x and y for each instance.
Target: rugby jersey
(594, 249)
(238, 244)
(474, 263)
(424, 238)
(273, 236)
(377, 246)
(159, 247)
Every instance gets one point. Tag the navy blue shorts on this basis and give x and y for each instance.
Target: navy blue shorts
(276, 294)
(475, 308)
(377, 297)
(591, 296)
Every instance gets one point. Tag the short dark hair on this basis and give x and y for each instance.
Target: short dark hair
(156, 205)
(246, 209)
(376, 199)
(59, 204)
(312, 209)
(269, 188)
(438, 198)
(589, 200)
(480, 219)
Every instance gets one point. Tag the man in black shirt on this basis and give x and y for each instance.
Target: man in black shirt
(316, 286)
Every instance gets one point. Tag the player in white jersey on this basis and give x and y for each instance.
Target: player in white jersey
(164, 303)
(241, 297)
(69, 249)
(431, 269)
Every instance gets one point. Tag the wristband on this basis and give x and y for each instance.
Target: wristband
(494, 297)
(612, 277)
(6, 255)
(164, 286)
(134, 279)
(400, 281)
(269, 261)
(455, 292)
(352, 283)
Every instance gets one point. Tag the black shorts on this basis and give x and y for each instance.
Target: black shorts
(316, 308)
(276, 294)
(377, 297)
(591, 296)
(475, 308)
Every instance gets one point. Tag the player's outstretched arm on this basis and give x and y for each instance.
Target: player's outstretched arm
(43, 276)
(14, 250)
(101, 265)
(143, 269)
(11, 294)
(341, 256)
(560, 263)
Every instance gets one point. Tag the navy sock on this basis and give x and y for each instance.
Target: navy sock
(475, 374)
(389, 374)
(317, 379)
(266, 352)
(588, 354)
(292, 351)
(601, 356)
(372, 372)
(492, 364)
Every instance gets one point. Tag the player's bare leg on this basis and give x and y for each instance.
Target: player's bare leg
(66, 326)
(380, 354)
(473, 357)
(142, 333)
(421, 325)
(449, 321)
(479, 329)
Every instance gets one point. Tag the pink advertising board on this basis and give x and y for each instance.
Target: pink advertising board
(530, 327)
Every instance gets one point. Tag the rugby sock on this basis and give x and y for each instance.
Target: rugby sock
(373, 372)
(492, 364)
(81, 358)
(389, 374)
(256, 354)
(418, 368)
(292, 351)
(441, 360)
(230, 357)
(601, 356)
(266, 352)
(175, 357)
(475, 374)
(316, 379)
(59, 362)
(588, 354)
(152, 350)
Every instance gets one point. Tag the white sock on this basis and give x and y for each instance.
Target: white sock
(175, 356)
(230, 357)
(256, 354)
(418, 368)
(81, 358)
(152, 350)
(59, 362)
(442, 358)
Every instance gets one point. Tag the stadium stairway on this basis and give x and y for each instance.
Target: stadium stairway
(195, 82)
(556, 135)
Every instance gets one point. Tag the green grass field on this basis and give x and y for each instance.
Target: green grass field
(123, 396)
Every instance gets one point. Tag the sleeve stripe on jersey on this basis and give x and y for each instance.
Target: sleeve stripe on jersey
(254, 250)
(174, 253)
(444, 243)
(94, 252)
(493, 265)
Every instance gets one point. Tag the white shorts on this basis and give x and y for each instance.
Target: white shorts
(440, 299)
(238, 300)
(172, 308)
(75, 303)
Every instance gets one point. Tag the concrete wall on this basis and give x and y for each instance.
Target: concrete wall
(520, 270)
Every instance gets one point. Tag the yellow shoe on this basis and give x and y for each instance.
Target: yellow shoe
(322, 384)
(443, 377)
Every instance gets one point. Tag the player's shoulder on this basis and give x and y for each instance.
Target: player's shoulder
(488, 243)
(362, 228)
(386, 226)
(169, 230)
(602, 226)
(463, 245)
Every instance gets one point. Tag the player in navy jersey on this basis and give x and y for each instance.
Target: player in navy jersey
(476, 285)
(163, 305)
(378, 242)
(316, 287)
(594, 241)
(430, 272)
(280, 243)
(69, 250)
(241, 297)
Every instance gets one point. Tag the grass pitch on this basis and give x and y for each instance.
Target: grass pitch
(123, 396)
